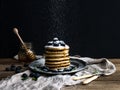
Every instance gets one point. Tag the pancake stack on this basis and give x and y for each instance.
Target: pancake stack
(57, 55)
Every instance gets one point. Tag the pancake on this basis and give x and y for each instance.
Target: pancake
(57, 62)
(57, 59)
(57, 54)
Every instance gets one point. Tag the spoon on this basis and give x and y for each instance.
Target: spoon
(29, 54)
(15, 30)
(86, 81)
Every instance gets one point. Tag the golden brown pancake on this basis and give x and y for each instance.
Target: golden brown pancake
(57, 54)
(57, 62)
(57, 59)
(59, 65)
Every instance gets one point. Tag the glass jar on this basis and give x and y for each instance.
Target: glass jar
(26, 55)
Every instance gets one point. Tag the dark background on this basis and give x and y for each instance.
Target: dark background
(90, 27)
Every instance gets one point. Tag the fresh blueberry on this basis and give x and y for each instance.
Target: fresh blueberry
(49, 43)
(17, 71)
(7, 69)
(53, 70)
(56, 43)
(45, 69)
(62, 43)
(37, 75)
(38, 66)
(73, 67)
(32, 74)
(24, 75)
(66, 69)
(70, 68)
(19, 67)
(12, 67)
(26, 65)
(55, 39)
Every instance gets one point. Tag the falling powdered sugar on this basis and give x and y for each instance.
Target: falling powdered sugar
(57, 11)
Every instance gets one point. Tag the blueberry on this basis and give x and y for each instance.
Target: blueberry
(12, 67)
(66, 69)
(62, 43)
(32, 74)
(7, 69)
(26, 65)
(19, 67)
(56, 43)
(37, 75)
(17, 71)
(49, 43)
(45, 69)
(70, 68)
(24, 75)
(55, 39)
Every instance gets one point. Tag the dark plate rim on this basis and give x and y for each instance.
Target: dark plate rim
(72, 60)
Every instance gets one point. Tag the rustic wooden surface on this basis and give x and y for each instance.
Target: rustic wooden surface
(111, 82)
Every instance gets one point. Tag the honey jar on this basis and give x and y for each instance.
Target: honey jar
(26, 54)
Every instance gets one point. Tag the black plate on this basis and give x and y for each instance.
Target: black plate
(76, 65)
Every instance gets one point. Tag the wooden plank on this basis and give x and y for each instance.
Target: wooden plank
(114, 76)
(115, 61)
(6, 74)
(96, 85)
(2, 67)
(8, 61)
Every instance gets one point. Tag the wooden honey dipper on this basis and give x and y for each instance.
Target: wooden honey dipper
(29, 54)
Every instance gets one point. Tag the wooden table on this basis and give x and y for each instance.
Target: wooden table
(111, 82)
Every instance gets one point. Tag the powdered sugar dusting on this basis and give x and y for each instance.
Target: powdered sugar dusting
(58, 47)
(57, 9)
(57, 44)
